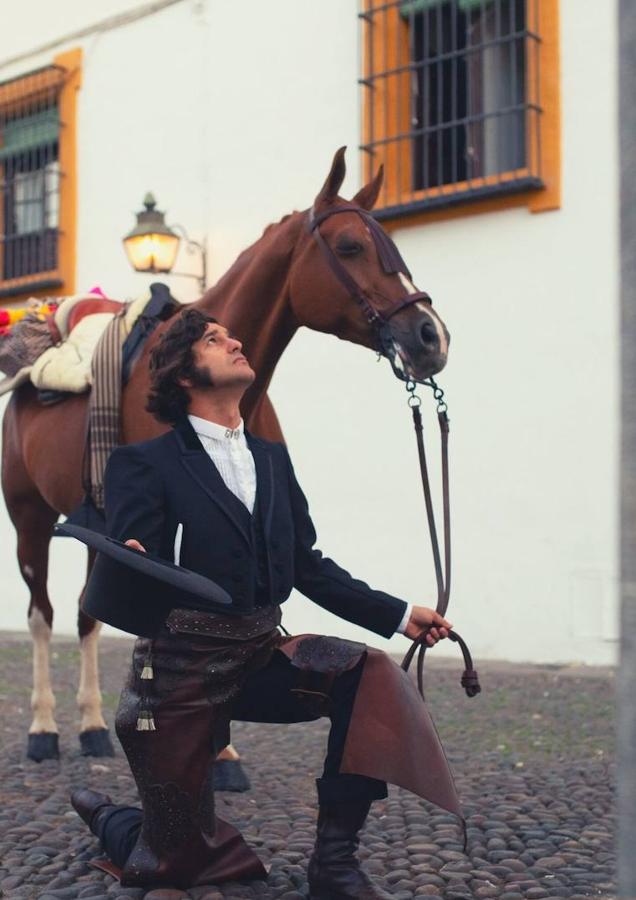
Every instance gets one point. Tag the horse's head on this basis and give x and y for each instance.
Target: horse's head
(348, 279)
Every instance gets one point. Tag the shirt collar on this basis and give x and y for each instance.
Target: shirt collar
(205, 428)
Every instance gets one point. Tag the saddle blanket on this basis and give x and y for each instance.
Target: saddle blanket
(67, 367)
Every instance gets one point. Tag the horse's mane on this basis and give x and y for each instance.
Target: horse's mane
(246, 256)
(280, 222)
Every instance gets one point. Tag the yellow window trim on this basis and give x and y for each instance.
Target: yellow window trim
(67, 71)
(387, 45)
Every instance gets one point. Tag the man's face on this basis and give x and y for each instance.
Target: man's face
(219, 361)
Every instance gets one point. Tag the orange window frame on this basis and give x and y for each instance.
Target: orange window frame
(67, 69)
(385, 48)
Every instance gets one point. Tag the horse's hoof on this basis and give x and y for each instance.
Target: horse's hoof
(43, 746)
(96, 742)
(228, 775)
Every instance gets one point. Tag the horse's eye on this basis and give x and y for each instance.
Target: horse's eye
(348, 248)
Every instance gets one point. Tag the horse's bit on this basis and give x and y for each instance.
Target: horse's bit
(392, 264)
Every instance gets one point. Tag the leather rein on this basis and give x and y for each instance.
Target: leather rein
(469, 679)
(392, 263)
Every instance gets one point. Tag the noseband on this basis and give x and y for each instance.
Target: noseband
(392, 264)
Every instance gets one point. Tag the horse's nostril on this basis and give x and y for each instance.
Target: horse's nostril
(428, 333)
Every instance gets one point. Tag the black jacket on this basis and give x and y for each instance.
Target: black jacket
(152, 487)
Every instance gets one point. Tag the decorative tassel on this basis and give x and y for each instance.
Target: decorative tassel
(145, 721)
(147, 673)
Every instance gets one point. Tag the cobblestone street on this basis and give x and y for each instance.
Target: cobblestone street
(533, 758)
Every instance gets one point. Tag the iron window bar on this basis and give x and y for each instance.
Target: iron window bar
(457, 151)
(441, 200)
(443, 126)
(30, 179)
(450, 56)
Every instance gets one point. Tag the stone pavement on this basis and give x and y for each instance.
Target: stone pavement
(533, 756)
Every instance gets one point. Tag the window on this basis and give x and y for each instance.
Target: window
(460, 101)
(37, 180)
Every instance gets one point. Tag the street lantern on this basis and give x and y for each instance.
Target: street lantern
(151, 246)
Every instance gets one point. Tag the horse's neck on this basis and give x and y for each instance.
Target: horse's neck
(252, 299)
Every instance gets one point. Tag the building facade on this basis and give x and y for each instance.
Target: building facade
(496, 121)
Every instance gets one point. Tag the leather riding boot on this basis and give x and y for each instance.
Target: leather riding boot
(87, 804)
(334, 871)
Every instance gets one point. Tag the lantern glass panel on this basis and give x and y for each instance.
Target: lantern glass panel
(152, 252)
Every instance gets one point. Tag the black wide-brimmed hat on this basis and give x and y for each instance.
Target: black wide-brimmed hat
(135, 591)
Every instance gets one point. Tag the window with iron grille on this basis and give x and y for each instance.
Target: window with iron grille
(452, 99)
(30, 180)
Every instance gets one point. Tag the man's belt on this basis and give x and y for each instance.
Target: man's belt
(232, 628)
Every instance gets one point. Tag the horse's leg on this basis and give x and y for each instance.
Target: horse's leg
(228, 773)
(94, 735)
(34, 520)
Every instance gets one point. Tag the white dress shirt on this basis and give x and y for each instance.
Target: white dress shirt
(229, 451)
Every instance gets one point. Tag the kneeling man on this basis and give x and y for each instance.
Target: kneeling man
(214, 499)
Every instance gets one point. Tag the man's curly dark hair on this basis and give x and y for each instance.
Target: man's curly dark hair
(172, 359)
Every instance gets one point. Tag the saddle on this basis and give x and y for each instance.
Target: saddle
(66, 367)
(71, 312)
(63, 365)
(55, 351)
(40, 330)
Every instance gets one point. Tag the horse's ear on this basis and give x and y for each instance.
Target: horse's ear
(334, 180)
(368, 195)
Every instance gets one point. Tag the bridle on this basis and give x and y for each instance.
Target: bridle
(393, 264)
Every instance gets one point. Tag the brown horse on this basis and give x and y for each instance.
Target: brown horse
(277, 285)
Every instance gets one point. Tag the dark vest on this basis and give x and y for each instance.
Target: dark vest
(254, 525)
(262, 597)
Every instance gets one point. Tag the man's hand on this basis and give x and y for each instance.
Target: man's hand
(137, 546)
(422, 618)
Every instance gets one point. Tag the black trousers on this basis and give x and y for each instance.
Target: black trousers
(267, 694)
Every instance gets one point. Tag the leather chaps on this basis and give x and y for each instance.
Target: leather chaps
(204, 673)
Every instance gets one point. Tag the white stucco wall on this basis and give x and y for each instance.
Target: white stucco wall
(232, 119)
